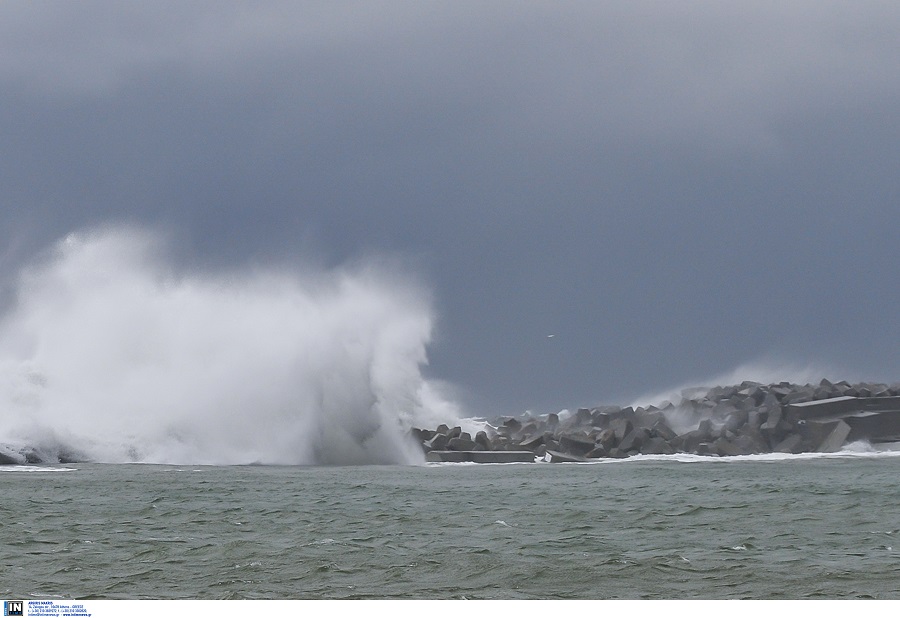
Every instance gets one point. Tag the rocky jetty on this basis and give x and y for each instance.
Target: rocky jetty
(745, 419)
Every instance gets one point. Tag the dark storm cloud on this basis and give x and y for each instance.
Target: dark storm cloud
(670, 188)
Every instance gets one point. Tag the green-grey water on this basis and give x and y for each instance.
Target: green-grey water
(821, 527)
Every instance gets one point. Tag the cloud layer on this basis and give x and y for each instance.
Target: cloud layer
(672, 189)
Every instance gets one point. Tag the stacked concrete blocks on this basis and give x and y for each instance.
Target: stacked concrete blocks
(723, 421)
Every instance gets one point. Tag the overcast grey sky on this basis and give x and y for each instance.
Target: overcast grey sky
(672, 189)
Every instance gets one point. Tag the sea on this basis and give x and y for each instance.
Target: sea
(808, 526)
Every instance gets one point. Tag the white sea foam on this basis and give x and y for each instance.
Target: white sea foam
(109, 352)
(27, 468)
(848, 452)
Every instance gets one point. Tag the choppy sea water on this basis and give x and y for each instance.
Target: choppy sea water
(792, 527)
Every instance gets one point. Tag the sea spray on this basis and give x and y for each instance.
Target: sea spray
(109, 353)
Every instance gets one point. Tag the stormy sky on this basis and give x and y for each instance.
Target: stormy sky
(674, 190)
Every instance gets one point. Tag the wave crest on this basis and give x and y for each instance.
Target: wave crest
(109, 353)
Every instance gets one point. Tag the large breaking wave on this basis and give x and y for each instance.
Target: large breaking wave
(109, 353)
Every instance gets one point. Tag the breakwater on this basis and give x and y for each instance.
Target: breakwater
(744, 419)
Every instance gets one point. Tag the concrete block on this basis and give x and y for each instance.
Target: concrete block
(769, 401)
(774, 417)
(531, 443)
(576, 445)
(706, 448)
(824, 393)
(656, 446)
(841, 387)
(823, 408)
(421, 435)
(661, 429)
(530, 429)
(724, 408)
(757, 393)
(597, 452)
(502, 457)
(814, 432)
(797, 397)
(583, 417)
(627, 412)
(621, 427)
(781, 391)
(599, 418)
(736, 420)
(557, 457)
(691, 441)
(438, 442)
(460, 444)
(874, 426)
(750, 444)
(725, 448)
(606, 439)
(500, 443)
(481, 438)
(753, 440)
(705, 428)
(510, 426)
(634, 439)
(746, 404)
(647, 418)
(447, 456)
(790, 444)
(875, 404)
(835, 439)
(754, 420)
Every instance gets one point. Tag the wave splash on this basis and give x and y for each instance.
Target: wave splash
(109, 354)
